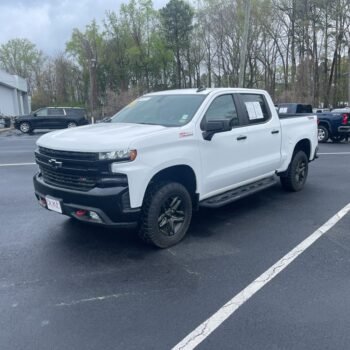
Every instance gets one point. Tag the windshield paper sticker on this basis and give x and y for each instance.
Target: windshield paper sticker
(183, 118)
(254, 110)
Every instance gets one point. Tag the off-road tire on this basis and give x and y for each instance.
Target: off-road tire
(294, 178)
(154, 207)
(323, 134)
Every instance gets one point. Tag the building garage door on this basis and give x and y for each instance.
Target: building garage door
(6, 101)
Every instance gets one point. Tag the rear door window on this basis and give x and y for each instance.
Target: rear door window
(256, 108)
(56, 112)
(76, 112)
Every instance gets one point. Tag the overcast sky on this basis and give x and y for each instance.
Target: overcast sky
(49, 23)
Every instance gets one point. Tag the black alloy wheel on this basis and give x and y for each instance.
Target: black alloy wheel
(295, 177)
(166, 214)
(172, 216)
(301, 171)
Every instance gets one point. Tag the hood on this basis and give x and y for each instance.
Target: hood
(24, 116)
(97, 137)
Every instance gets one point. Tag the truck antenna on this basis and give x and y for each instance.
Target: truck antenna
(201, 88)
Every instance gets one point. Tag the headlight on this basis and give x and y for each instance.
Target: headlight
(121, 155)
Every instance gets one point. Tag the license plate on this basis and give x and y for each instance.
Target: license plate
(53, 204)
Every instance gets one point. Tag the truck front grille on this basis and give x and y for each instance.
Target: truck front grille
(72, 170)
(70, 181)
(90, 156)
(80, 171)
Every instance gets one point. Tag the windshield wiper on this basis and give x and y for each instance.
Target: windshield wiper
(144, 123)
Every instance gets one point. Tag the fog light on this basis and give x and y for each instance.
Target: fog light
(94, 216)
(42, 202)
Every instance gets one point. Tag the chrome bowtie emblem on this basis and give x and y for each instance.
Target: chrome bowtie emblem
(54, 163)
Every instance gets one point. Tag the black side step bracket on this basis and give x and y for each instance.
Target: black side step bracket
(237, 193)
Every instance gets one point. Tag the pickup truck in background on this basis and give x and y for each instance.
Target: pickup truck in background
(169, 153)
(334, 125)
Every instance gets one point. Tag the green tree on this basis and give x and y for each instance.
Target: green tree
(116, 59)
(21, 57)
(139, 19)
(137, 55)
(177, 18)
(87, 48)
(60, 83)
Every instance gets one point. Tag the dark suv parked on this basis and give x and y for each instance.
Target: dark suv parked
(51, 118)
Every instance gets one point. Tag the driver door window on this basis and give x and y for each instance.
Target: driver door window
(42, 112)
(223, 107)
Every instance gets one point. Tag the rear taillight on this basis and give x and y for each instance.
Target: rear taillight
(345, 119)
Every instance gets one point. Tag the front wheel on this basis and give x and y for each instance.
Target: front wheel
(71, 125)
(166, 214)
(295, 177)
(25, 127)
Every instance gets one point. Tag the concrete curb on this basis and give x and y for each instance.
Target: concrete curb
(5, 129)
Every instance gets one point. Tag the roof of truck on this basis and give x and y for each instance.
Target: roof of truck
(202, 91)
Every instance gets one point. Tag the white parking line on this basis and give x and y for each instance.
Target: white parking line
(16, 164)
(207, 327)
(335, 153)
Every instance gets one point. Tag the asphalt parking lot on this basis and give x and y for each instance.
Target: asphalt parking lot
(64, 285)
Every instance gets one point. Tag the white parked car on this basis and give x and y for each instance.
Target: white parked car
(341, 110)
(169, 153)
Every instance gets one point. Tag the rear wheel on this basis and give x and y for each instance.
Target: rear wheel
(323, 134)
(25, 127)
(166, 214)
(295, 177)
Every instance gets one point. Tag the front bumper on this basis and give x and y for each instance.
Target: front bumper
(111, 204)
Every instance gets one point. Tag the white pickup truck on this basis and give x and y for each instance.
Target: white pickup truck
(170, 152)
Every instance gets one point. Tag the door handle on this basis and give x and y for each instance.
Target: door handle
(275, 132)
(240, 138)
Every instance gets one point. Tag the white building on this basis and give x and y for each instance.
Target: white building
(14, 99)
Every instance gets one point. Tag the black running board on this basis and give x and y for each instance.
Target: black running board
(238, 193)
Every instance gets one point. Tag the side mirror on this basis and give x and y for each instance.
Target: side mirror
(35, 115)
(213, 127)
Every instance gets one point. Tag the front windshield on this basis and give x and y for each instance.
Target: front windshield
(166, 110)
